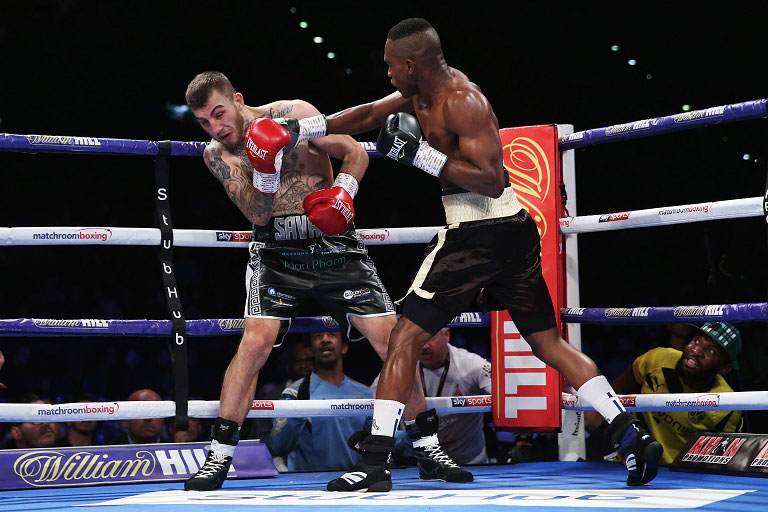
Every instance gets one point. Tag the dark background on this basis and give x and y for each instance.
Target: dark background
(110, 69)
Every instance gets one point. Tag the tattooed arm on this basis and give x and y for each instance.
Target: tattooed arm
(255, 205)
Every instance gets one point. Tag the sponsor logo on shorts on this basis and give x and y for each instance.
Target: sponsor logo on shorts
(257, 405)
(58, 140)
(294, 227)
(374, 234)
(356, 294)
(694, 208)
(78, 324)
(687, 117)
(711, 310)
(626, 312)
(84, 234)
(635, 126)
(274, 293)
(234, 236)
(613, 217)
(315, 264)
(714, 449)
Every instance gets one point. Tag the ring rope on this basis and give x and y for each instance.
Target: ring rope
(664, 215)
(660, 216)
(636, 129)
(754, 109)
(100, 411)
(161, 328)
(67, 235)
(742, 312)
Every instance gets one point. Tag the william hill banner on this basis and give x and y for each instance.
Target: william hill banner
(60, 467)
(527, 393)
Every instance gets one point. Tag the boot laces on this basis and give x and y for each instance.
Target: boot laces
(213, 465)
(436, 453)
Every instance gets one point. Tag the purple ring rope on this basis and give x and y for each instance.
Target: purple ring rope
(745, 312)
(659, 125)
(158, 328)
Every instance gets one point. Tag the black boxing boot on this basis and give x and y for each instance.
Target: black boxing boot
(640, 450)
(225, 434)
(372, 472)
(433, 462)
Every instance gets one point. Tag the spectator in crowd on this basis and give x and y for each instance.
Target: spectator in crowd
(25, 435)
(298, 364)
(710, 354)
(447, 370)
(147, 430)
(193, 433)
(321, 442)
(83, 433)
(2, 362)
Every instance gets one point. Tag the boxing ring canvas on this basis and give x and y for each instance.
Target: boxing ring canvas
(550, 486)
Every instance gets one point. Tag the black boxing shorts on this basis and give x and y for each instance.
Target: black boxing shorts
(500, 256)
(295, 269)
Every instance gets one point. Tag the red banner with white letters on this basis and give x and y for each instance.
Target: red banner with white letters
(527, 393)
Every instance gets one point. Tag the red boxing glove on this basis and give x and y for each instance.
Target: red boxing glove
(264, 142)
(331, 210)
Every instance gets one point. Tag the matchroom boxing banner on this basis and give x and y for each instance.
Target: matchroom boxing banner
(526, 392)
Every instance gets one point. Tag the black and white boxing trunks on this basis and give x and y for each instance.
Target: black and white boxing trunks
(491, 245)
(295, 269)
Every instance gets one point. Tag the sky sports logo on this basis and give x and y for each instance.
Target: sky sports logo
(613, 217)
(85, 234)
(471, 401)
(233, 236)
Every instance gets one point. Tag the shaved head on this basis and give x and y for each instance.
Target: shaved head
(415, 38)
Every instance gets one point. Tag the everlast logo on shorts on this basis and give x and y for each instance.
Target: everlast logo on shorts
(295, 227)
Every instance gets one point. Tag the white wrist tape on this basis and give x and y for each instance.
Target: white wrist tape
(429, 159)
(312, 127)
(269, 183)
(347, 182)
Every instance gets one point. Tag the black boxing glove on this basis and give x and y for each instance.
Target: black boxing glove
(400, 140)
(303, 129)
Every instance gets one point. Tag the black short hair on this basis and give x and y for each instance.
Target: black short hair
(203, 85)
(408, 27)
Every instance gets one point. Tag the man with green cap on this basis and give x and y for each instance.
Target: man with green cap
(711, 354)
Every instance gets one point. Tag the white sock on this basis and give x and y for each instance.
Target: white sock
(386, 416)
(222, 449)
(598, 393)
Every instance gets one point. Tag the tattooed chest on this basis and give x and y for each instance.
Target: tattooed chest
(297, 181)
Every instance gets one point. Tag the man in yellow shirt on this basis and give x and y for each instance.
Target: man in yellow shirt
(711, 354)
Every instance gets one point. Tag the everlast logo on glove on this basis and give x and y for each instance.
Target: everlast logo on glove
(344, 210)
(397, 145)
(254, 150)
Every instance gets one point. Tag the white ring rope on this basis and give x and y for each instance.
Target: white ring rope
(662, 216)
(93, 235)
(58, 235)
(99, 411)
